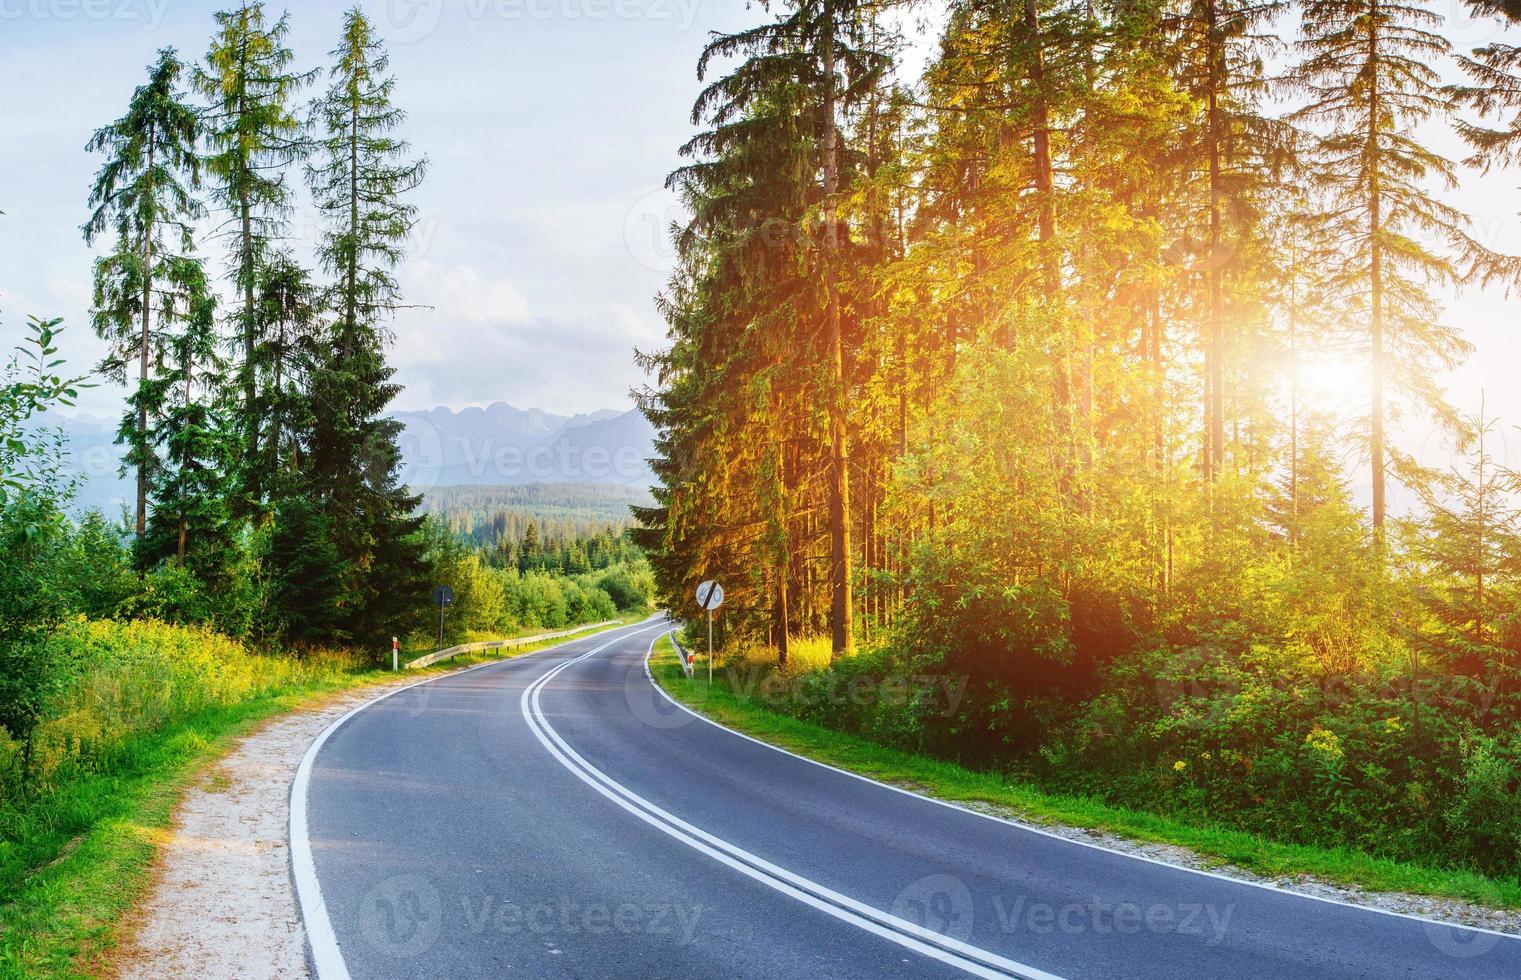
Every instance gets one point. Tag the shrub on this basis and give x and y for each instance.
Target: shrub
(112, 681)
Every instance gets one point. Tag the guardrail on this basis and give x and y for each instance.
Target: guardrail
(683, 654)
(516, 641)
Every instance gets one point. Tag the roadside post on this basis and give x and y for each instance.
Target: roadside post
(395, 653)
(443, 598)
(710, 595)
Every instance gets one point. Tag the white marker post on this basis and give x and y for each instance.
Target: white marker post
(710, 595)
(395, 650)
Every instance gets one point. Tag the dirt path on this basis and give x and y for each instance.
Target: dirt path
(222, 904)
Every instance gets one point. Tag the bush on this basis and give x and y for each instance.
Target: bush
(112, 681)
(629, 588)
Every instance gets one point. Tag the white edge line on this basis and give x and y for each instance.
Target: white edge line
(1032, 828)
(325, 957)
(938, 946)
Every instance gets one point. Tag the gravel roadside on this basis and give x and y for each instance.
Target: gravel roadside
(222, 904)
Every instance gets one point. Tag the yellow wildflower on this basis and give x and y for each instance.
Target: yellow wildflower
(1324, 741)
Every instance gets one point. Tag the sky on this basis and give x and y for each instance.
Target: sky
(549, 126)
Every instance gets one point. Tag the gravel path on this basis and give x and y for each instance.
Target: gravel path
(222, 904)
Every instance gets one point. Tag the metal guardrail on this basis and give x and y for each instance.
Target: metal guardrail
(517, 641)
(682, 654)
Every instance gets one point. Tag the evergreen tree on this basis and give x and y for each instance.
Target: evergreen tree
(191, 523)
(290, 345)
(144, 195)
(764, 275)
(1367, 72)
(351, 455)
(1494, 71)
(254, 136)
(1470, 546)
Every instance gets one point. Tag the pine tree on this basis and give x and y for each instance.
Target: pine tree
(352, 457)
(768, 185)
(1494, 89)
(191, 523)
(1470, 545)
(1229, 152)
(254, 136)
(290, 332)
(145, 196)
(1367, 72)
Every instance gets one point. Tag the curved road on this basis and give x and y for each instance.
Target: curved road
(555, 815)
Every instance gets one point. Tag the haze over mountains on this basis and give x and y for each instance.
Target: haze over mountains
(498, 445)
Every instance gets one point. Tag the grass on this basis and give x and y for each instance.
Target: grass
(1216, 845)
(77, 860)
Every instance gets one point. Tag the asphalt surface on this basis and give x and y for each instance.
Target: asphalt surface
(555, 815)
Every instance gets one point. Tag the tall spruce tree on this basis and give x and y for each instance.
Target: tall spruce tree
(254, 136)
(145, 196)
(815, 59)
(1368, 74)
(1494, 89)
(359, 182)
(191, 524)
(290, 345)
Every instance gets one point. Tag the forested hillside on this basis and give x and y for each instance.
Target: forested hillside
(1002, 372)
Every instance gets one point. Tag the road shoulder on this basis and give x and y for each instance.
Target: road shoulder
(221, 903)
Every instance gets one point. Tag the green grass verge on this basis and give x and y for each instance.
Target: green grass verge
(1216, 845)
(78, 859)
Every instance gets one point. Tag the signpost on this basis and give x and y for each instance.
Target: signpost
(443, 597)
(710, 595)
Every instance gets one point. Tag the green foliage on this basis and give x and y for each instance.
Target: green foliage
(115, 680)
(491, 601)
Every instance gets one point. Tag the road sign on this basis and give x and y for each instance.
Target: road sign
(443, 598)
(710, 595)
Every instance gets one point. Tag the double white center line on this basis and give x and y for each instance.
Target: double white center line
(971, 959)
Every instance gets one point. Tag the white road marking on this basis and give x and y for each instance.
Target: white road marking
(964, 956)
(1266, 886)
(326, 957)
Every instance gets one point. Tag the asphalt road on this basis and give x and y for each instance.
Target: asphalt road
(555, 815)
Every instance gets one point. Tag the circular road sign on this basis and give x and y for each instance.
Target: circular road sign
(710, 595)
(443, 596)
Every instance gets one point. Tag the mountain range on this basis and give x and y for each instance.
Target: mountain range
(498, 445)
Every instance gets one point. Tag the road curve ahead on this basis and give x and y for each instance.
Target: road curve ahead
(555, 815)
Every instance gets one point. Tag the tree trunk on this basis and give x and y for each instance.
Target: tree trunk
(1215, 348)
(1376, 299)
(841, 606)
(352, 273)
(142, 361)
